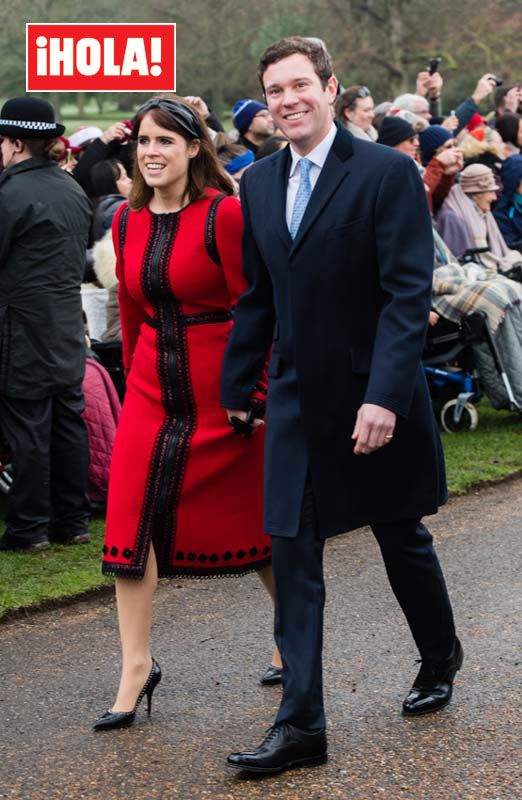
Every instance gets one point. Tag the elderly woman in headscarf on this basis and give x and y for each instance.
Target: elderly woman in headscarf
(468, 227)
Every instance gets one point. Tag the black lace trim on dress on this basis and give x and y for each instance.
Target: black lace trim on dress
(170, 449)
(225, 571)
(122, 229)
(210, 229)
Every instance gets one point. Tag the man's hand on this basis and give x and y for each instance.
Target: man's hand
(198, 104)
(374, 428)
(422, 83)
(430, 85)
(116, 131)
(243, 416)
(484, 87)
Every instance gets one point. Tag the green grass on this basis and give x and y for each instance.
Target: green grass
(55, 573)
(490, 453)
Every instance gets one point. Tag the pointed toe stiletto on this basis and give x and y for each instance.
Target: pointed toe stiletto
(272, 677)
(122, 719)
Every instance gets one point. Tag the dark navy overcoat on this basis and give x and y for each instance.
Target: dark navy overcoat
(344, 308)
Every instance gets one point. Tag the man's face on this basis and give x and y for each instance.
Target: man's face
(297, 101)
(409, 146)
(262, 125)
(422, 109)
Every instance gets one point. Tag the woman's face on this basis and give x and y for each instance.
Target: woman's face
(163, 156)
(449, 145)
(362, 115)
(124, 183)
(484, 200)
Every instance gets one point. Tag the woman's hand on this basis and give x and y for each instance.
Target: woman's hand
(244, 417)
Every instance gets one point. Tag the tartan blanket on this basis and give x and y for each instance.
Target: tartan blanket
(455, 294)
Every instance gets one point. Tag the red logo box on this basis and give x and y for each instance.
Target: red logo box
(118, 57)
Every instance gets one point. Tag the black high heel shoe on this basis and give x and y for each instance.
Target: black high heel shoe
(272, 677)
(122, 719)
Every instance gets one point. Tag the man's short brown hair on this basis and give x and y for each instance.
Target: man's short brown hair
(314, 49)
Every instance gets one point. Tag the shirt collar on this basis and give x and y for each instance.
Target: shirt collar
(318, 155)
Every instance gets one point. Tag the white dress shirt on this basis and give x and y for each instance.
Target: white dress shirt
(317, 156)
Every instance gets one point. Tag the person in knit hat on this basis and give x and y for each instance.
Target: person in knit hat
(399, 134)
(253, 122)
(442, 160)
(431, 140)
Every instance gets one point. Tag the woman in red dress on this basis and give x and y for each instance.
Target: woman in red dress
(185, 493)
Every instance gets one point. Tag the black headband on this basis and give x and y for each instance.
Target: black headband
(183, 115)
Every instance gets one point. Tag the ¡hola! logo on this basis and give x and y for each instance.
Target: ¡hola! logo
(117, 57)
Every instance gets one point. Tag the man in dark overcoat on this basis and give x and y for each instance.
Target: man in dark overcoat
(338, 254)
(44, 225)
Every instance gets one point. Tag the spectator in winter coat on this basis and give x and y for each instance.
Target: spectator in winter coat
(510, 128)
(254, 123)
(508, 210)
(355, 109)
(507, 100)
(442, 159)
(111, 186)
(93, 145)
(399, 134)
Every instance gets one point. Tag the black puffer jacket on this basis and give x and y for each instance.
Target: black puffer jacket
(44, 224)
(104, 210)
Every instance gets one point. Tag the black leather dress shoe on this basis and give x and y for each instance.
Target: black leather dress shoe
(433, 685)
(65, 537)
(272, 677)
(14, 545)
(284, 747)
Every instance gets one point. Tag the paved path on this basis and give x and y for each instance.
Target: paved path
(58, 670)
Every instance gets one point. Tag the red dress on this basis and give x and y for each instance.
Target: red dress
(180, 478)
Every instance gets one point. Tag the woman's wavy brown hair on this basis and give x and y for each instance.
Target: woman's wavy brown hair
(205, 171)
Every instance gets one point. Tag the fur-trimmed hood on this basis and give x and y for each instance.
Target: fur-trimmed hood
(105, 261)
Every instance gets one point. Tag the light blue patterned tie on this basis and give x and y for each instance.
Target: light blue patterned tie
(302, 197)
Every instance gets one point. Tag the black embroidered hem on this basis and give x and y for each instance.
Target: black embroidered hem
(127, 571)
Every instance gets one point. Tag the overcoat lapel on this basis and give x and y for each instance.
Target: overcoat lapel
(276, 201)
(335, 169)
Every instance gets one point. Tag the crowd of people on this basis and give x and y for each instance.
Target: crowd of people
(470, 161)
(145, 217)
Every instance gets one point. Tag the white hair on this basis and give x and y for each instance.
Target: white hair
(408, 102)
(418, 124)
